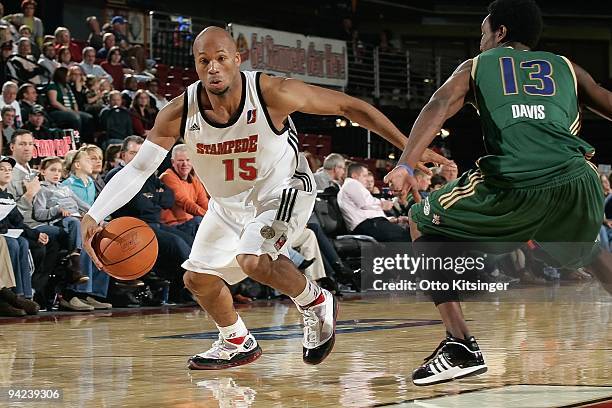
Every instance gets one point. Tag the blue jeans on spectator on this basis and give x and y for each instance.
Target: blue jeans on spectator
(98, 281)
(190, 227)
(18, 251)
(605, 238)
(296, 257)
(67, 229)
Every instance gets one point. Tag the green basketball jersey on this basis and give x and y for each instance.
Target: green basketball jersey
(527, 101)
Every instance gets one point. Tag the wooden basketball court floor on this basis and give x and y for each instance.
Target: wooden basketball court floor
(554, 350)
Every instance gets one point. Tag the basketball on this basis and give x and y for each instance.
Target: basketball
(127, 247)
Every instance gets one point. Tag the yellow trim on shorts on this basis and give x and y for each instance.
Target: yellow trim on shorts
(465, 194)
(459, 190)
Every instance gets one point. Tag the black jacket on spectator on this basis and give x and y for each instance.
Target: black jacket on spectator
(42, 133)
(148, 203)
(14, 219)
(117, 122)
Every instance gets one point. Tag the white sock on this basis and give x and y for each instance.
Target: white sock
(310, 293)
(237, 329)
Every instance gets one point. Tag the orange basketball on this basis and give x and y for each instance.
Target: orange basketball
(127, 247)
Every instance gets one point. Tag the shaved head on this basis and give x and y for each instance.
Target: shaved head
(217, 61)
(214, 36)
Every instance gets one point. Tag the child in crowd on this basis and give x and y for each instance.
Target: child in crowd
(79, 168)
(61, 209)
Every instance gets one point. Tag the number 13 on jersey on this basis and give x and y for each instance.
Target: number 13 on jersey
(539, 71)
(246, 168)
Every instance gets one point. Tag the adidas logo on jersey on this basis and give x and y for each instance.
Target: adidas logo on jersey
(194, 127)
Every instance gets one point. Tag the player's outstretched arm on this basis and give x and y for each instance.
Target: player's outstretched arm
(285, 95)
(595, 97)
(127, 182)
(444, 103)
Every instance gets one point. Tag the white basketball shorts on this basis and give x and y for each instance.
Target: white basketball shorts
(230, 228)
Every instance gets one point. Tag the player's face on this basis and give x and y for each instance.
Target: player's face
(489, 37)
(217, 63)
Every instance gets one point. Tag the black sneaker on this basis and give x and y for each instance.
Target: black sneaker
(453, 359)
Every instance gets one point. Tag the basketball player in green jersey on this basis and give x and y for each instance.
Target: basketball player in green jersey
(535, 183)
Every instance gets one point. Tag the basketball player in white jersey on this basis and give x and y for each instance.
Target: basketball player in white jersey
(243, 147)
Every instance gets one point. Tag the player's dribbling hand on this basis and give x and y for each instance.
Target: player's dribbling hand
(89, 228)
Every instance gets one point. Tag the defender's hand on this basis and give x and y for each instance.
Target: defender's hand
(400, 182)
(429, 156)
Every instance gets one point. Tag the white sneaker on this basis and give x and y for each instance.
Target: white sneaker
(227, 353)
(97, 305)
(319, 328)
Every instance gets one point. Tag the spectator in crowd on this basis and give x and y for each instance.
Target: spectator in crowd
(105, 89)
(363, 213)
(371, 184)
(174, 245)
(93, 95)
(24, 67)
(423, 180)
(95, 34)
(26, 32)
(58, 207)
(143, 115)
(130, 86)
(8, 308)
(116, 120)
(78, 166)
(64, 108)
(605, 234)
(35, 124)
(449, 172)
(8, 123)
(114, 66)
(89, 66)
(44, 252)
(64, 57)
(190, 197)
(112, 157)
(48, 61)
(6, 52)
(332, 173)
(28, 7)
(9, 97)
(437, 181)
(119, 29)
(158, 100)
(108, 40)
(27, 97)
(96, 157)
(63, 39)
(76, 82)
(24, 183)
(400, 208)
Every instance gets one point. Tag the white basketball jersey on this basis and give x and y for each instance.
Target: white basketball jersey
(247, 153)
